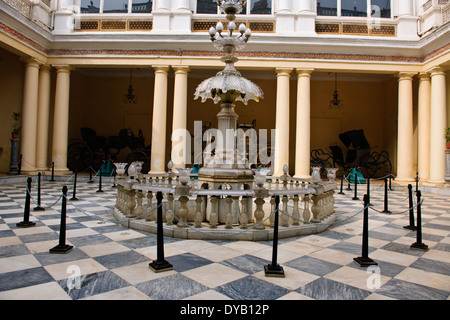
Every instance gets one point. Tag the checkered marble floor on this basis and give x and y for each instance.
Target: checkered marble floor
(111, 262)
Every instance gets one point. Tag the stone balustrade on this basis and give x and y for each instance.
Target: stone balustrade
(193, 212)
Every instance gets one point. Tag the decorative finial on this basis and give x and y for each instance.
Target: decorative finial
(229, 85)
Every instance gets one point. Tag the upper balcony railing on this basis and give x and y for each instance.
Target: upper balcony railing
(22, 6)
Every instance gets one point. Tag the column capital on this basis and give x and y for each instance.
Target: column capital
(406, 75)
(161, 68)
(63, 68)
(423, 76)
(181, 69)
(436, 71)
(283, 71)
(32, 62)
(304, 72)
(46, 67)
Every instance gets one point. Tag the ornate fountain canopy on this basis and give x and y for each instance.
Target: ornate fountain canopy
(228, 85)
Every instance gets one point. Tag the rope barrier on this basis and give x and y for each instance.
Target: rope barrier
(219, 234)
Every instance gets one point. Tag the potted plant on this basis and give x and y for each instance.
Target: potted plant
(447, 137)
(16, 128)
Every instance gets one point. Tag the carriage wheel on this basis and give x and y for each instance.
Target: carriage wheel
(140, 156)
(384, 165)
(79, 157)
(378, 165)
(99, 157)
(370, 168)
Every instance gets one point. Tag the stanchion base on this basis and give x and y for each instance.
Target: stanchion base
(355, 198)
(61, 249)
(73, 199)
(386, 211)
(160, 266)
(414, 228)
(365, 262)
(39, 209)
(90, 181)
(274, 271)
(25, 224)
(419, 246)
(99, 191)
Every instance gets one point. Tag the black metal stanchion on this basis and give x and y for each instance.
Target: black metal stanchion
(114, 178)
(62, 247)
(100, 180)
(19, 169)
(386, 210)
(274, 269)
(39, 208)
(349, 188)
(26, 223)
(390, 182)
(368, 192)
(355, 197)
(74, 193)
(417, 181)
(53, 172)
(160, 264)
(90, 176)
(342, 184)
(419, 245)
(411, 225)
(364, 260)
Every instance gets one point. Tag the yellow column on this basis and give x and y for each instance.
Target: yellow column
(29, 114)
(438, 125)
(43, 118)
(423, 123)
(158, 161)
(282, 121)
(405, 128)
(61, 119)
(303, 133)
(180, 140)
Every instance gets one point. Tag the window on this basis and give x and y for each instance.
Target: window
(354, 8)
(90, 6)
(261, 7)
(380, 8)
(207, 6)
(141, 6)
(327, 7)
(252, 7)
(116, 6)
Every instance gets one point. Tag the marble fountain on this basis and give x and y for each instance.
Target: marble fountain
(226, 199)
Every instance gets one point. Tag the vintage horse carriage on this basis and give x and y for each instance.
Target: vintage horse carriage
(371, 164)
(95, 150)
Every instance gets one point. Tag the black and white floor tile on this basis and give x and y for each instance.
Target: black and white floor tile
(110, 262)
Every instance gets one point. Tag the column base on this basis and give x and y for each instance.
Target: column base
(404, 181)
(302, 176)
(437, 181)
(28, 171)
(62, 172)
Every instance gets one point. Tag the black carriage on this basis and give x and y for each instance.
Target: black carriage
(95, 150)
(371, 164)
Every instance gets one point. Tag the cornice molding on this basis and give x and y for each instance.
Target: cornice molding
(308, 56)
